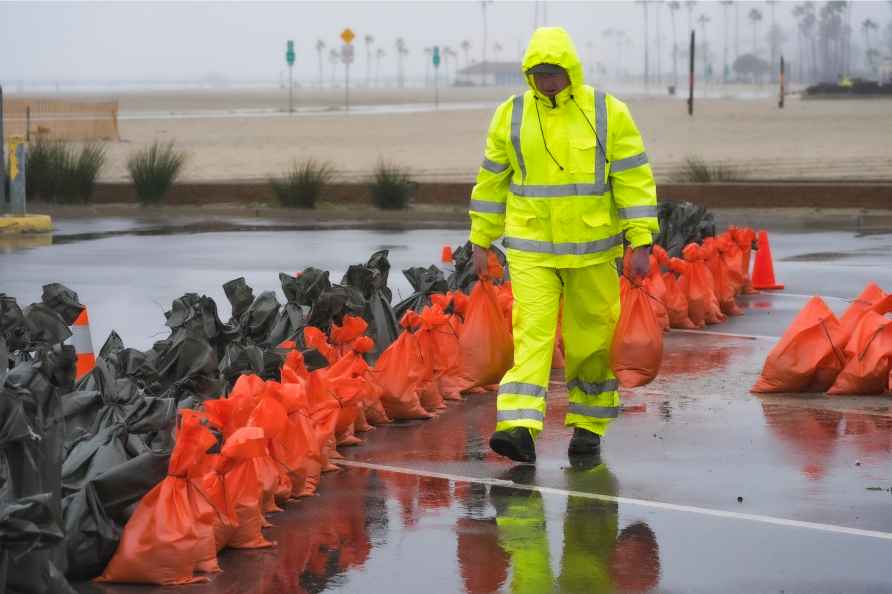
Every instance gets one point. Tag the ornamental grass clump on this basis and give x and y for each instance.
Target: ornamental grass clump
(391, 186)
(302, 185)
(58, 172)
(154, 169)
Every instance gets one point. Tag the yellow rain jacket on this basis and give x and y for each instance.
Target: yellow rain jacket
(563, 179)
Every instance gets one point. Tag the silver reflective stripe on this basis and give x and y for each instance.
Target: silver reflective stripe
(522, 389)
(637, 212)
(563, 249)
(487, 206)
(594, 389)
(516, 118)
(80, 339)
(595, 412)
(601, 127)
(493, 166)
(628, 163)
(556, 191)
(520, 414)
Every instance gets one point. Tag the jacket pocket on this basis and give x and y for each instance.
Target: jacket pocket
(582, 156)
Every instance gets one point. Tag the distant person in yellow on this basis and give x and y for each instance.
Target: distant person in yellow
(564, 181)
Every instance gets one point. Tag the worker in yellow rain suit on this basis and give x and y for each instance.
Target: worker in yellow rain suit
(564, 181)
(597, 558)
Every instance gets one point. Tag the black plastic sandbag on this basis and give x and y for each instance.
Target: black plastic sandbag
(305, 288)
(95, 516)
(198, 316)
(370, 279)
(48, 327)
(463, 276)
(188, 368)
(63, 301)
(29, 531)
(682, 223)
(14, 327)
(240, 360)
(425, 282)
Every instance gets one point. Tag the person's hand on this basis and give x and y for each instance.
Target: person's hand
(640, 263)
(480, 258)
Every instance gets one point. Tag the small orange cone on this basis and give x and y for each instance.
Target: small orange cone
(82, 342)
(763, 270)
(446, 254)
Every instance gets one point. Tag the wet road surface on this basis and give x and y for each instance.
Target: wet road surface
(701, 486)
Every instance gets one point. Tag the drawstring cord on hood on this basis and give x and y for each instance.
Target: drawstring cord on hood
(597, 140)
(545, 142)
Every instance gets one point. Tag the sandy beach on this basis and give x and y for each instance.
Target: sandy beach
(247, 134)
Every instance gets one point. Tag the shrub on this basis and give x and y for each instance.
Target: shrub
(697, 170)
(391, 186)
(302, 184)
(57, 172)
(153, 170)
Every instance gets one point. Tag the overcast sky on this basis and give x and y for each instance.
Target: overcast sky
(80, 41)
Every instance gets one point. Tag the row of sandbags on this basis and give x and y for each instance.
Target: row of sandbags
(688, 292)
(242, 456)
(819, 352)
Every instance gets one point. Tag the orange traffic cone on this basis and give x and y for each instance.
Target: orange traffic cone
(446, 254)
(82, 342)
(763, 270)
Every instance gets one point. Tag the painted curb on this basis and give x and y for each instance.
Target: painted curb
(10, 225)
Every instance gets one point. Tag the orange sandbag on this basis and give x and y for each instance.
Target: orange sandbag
(656, 288)
(733, 260)
(744, 239)
(170, 535)
(448, 347)
(692, 290)
(676, 303)
(808, 356)
(315, 338)
(869, 297)
(869, 353)
(243, 489)
(637, 350)
(702, 284)
(324, 411)
(724, 291)
(487, 348)
(398, 372)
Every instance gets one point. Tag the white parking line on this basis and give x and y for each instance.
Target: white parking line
(726, 334)
(704, 511)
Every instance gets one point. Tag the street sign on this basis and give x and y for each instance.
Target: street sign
(347, 54)
(436, 57)
(347, 36)
(289, 53)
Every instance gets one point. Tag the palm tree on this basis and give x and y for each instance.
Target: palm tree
(690, 4)
(867, 26)
(401, 52)
(674, 7)
(805, 13)
(773, 36)
(755, 17)
(643, 4)
(449, 59)
(320, 47)
(379, 53)
(725, 5)
(466, 48)
(369, 40)
(703, 20)
(333, 58)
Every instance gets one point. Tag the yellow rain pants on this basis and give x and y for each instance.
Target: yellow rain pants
(591, 309)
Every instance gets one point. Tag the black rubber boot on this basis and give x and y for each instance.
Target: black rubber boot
(584, 443)
(516, 444)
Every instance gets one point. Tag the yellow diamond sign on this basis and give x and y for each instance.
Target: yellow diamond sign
(347, 35)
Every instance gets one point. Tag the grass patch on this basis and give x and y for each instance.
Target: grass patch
(59, 172)
(302, 185)
(391, 186)
(697, 170)
(153, 170)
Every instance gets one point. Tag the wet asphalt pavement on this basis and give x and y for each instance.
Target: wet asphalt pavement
(701, 486)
